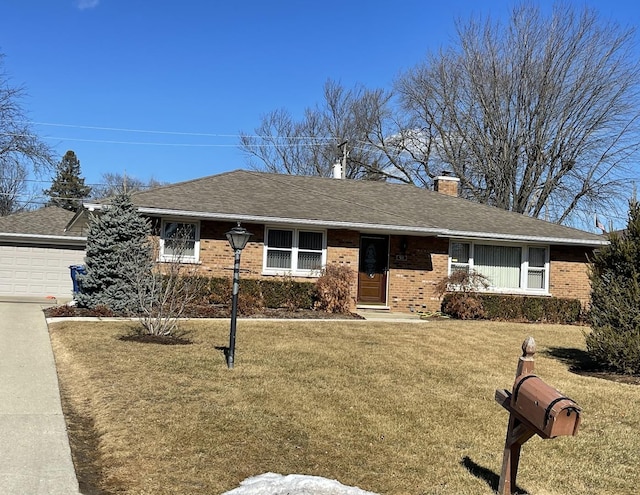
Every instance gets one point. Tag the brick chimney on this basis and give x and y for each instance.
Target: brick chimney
(446, 184)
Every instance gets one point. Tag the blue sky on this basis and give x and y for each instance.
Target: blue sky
(208, 67)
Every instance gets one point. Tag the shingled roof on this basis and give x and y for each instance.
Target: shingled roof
(44, 225)
(354, 204)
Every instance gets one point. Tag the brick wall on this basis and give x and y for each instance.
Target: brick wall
(414, 272)
(343, 248)
(216, 256)
(414, 269)
(568, 276)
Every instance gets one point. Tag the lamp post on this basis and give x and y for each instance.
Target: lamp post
(238, 238)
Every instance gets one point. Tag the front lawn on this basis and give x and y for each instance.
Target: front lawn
(392, 408)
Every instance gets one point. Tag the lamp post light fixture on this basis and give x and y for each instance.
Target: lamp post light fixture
(238, 238)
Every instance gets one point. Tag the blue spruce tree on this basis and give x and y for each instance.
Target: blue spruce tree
(119, 256)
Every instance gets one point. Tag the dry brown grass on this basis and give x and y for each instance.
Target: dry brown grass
(392, 408)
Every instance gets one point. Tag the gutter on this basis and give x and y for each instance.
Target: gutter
(524, 238)
(378, 228)
(40, 239)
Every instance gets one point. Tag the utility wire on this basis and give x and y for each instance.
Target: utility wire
(184, 145)
(177, 133)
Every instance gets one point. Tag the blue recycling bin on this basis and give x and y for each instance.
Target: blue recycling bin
(75, 271)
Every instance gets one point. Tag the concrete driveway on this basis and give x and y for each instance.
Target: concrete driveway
(35, 458)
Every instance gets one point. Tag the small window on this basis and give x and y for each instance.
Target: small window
(537, 268)
(310, 251)
(179, 240)
(280, 246)
(460, 257)
(294, 251)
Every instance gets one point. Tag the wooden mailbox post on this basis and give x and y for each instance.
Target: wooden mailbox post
(535, 408)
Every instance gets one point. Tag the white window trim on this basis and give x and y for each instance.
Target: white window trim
(169, 258)
(294, 252)
(524, 266)
(524, 270)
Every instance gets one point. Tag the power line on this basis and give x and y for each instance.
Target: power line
(177, 133)
(140, 143)
(121, 129)
(43, 181)
(184, 145)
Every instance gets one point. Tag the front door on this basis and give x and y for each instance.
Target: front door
(372, 271)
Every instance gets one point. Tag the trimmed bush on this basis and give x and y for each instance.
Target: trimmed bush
(513, 308)
(287, 293)
(256, 294)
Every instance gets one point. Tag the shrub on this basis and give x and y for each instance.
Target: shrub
(256, 294)
(218, 290)
(334, 289)
(463, 303)
(250, 299)
(531, 308)
(614, 341)
(287, 293)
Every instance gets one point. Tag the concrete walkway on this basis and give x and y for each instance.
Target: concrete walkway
(35, 458)
(388, 316)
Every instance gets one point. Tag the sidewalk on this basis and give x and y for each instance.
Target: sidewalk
(35, 458)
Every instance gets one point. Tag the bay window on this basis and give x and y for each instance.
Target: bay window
(508, 268)
(294, 251)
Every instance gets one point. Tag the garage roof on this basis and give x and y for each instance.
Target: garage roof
(46, 226)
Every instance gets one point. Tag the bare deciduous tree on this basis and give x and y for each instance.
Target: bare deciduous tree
(359, 117)
(114, 183)
(538, 116)
(166, 292)
(21, 151)
(13, 186)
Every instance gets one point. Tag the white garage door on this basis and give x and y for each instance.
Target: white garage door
(37, 271)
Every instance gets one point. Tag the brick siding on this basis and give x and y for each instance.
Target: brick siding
(416, 264)
(216, 256)
(414, 272)
(569, 277)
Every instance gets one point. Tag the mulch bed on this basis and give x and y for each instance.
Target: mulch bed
(607, 375)
(207, 312)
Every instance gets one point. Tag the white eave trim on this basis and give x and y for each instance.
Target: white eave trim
(487, 236)
(231, 217)
(381, 228)
(43, 239)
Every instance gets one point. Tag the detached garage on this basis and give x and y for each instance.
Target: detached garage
(36, 252)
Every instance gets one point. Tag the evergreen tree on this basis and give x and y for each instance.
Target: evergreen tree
(118, 253)
(614, 341)
(68, 187)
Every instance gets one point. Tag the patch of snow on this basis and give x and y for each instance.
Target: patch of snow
(293, 484)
